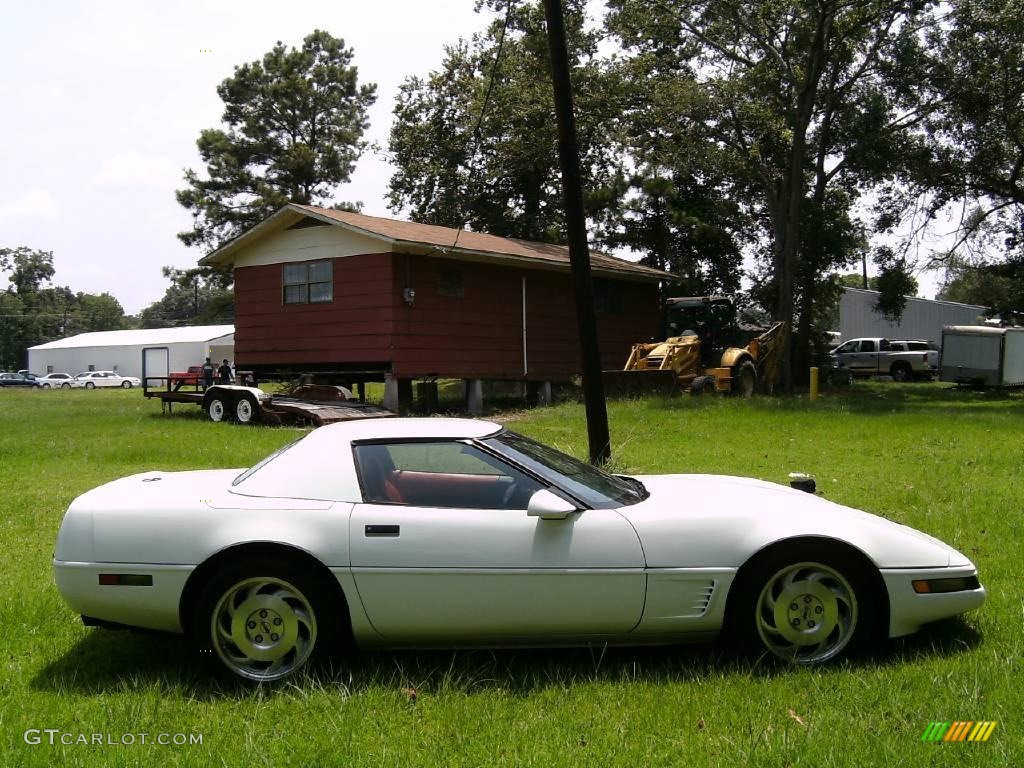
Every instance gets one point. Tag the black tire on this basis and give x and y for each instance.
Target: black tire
(805, 603)
(246, 409)
(265, 620)
(703, 385)
(744, 379)
(65, 386)
(90, 385)
(46, 386)
(126, 385)
(901, 371)
(217, 407)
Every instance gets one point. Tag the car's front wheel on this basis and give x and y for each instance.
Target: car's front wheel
(90, 385)
(126, 385)
(46, 386)
(805, 608)
(65, 386)
(264, 621)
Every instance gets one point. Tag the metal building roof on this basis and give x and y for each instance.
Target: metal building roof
(145, 337)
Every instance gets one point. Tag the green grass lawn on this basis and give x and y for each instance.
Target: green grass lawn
(944, 461)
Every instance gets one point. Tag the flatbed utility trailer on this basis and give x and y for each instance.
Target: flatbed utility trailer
(314, 405)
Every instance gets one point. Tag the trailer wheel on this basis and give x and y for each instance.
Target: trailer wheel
(247, 410)
(744, 379)
(216, 408)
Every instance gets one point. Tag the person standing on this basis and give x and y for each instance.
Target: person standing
(224, 372)
(208, 371)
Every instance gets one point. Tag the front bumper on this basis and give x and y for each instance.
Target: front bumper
(910, 610)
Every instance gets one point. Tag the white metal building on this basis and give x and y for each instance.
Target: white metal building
(922, 318)
(122, 351)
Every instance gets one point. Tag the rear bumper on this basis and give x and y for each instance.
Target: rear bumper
(150, 607)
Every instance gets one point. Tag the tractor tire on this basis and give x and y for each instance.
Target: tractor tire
(744, 379)
(703, 385)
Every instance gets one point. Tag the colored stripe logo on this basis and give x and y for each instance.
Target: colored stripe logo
(961, 730)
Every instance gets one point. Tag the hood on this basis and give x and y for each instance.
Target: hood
(720, 521)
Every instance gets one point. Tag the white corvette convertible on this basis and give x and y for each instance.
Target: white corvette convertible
(456, 532)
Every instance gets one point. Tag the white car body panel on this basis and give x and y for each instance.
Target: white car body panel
(757, 513)
(497, 572)
(658, 570)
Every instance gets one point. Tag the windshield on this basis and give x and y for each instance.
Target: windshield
(593, 487)
(256, 467)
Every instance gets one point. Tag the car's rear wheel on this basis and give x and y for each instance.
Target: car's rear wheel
(216, 408)
(247, 410)
(900, 371)
(126, 385)
(264, 621)
(806, 608)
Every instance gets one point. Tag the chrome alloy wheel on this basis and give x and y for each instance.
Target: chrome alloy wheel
(263, 629)
(806, 613)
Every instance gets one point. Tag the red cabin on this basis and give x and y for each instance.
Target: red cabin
(364, 298)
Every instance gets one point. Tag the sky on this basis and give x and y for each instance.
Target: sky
(103, 102)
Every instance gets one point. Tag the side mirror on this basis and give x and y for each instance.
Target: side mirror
(547, 506)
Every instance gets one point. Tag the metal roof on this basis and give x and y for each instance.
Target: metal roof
(145, 337)
(401, 235)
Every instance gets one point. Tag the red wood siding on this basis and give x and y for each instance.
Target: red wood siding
(355, 327)
(480, 334)
(476, 336)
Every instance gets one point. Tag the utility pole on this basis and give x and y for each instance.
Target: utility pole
(579, 252)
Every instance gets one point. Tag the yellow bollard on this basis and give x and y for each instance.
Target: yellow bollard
(814, 383)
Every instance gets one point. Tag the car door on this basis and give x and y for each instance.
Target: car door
(442, 549)
(865, 360)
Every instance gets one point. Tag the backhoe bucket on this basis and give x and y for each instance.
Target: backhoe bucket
(639, 383)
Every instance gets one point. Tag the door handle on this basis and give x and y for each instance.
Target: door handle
(378, 531)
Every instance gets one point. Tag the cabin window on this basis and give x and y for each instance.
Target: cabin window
(608, 297)
(449, 282)
(308, 283)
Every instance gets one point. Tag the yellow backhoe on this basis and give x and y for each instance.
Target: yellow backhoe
(702, 354)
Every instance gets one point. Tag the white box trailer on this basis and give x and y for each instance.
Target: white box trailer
(982, 356)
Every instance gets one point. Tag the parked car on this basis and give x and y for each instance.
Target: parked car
(903, 360)
(56, 381)
(17, 380)
(456, 532)
(94, 379)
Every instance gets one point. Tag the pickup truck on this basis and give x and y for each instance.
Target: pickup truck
(903, 360)
(192, 377)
